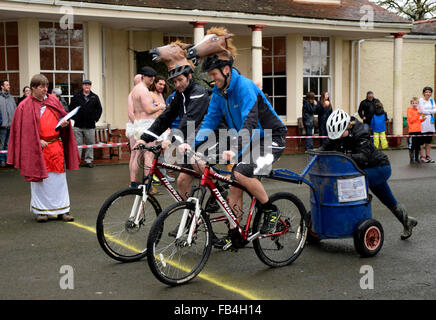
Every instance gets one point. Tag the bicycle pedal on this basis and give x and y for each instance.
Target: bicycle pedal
(228, 245)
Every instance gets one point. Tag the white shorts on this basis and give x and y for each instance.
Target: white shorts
(137, 128)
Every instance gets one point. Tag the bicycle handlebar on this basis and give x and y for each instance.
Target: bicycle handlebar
(154, 149)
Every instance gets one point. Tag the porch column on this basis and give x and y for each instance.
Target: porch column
(398, 59)
(294, 75)
(256, 53)
(28, 50)
(95, 63)
(198, 30)
(337, 72)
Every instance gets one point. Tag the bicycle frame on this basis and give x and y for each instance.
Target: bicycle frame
(154, 170)
(207, 183)
(135, 215)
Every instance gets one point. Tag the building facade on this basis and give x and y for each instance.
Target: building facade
(345, 47)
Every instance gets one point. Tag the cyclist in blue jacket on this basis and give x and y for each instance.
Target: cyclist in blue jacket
(245, 108)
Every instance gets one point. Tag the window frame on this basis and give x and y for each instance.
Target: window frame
(320, 76)
(84, 72)
(273, 76)
(5, 48)
(178, 36)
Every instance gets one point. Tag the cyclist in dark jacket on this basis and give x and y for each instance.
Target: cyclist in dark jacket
(189, 104)
(350, 136)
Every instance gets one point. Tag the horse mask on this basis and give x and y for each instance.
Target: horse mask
(211, 45)
(173, 56)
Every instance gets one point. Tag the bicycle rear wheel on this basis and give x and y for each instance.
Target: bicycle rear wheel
(286, 243)
(118, 235)
(172, 260)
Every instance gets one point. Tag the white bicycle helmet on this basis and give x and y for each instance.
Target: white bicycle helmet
(337, 123)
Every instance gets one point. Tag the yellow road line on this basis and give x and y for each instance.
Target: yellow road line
(212, 279)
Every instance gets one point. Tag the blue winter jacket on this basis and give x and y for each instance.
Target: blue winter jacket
(378, 122)
(244, 106)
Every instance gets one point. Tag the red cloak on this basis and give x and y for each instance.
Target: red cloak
(25, 152)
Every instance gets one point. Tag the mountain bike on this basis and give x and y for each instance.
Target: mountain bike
(177, 257)
(124, 220)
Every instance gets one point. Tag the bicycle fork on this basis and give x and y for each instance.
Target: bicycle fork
(138, 205)
(194, 219)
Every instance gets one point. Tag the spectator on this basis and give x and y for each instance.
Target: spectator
(159, 89)
(309, 109)
(367, 109)
(42, 153)
(324, 109)
(378, 126)
(7, 109)
(26, 93)
(85, 119)
(427, 107)
(58, 92)
(414, 119)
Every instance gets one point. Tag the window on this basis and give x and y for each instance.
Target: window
(62, 57)
(316, 72)
(168, 38)
(9, 61)
(274, 72)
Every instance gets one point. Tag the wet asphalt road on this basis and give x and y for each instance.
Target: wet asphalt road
(32, 254)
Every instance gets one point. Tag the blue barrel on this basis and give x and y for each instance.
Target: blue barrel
(343, 199)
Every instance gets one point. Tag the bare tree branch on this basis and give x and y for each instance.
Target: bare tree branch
(410, 9)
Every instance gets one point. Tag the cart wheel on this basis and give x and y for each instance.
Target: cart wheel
(312, 237)
(368, 238)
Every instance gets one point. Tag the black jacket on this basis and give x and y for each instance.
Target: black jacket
(189, 105)
(367, 110)
(309, 111)
(358, 145)
(90, 110)
(323, 114)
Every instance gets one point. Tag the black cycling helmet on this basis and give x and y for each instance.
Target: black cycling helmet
(213, 62)
(177, 71)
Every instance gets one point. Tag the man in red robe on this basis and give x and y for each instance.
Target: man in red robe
(42, 153)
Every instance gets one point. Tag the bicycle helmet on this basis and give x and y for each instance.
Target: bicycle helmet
(214, 62)
(337, 123)
(178, 70)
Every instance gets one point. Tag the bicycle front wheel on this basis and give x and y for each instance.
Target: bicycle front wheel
(285, 244)
(119, 235)
(175, 261)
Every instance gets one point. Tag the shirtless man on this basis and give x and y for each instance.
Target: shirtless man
(142, 113)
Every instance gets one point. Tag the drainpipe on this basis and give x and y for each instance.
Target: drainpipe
(353, 44)
(358, 74)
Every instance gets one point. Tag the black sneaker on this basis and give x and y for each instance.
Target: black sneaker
(134, 185)
(270, 218)
(220, 243)
(428, 159)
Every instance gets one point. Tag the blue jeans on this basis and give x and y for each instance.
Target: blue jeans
(4, 140)
(378, 184)
(309, 141)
